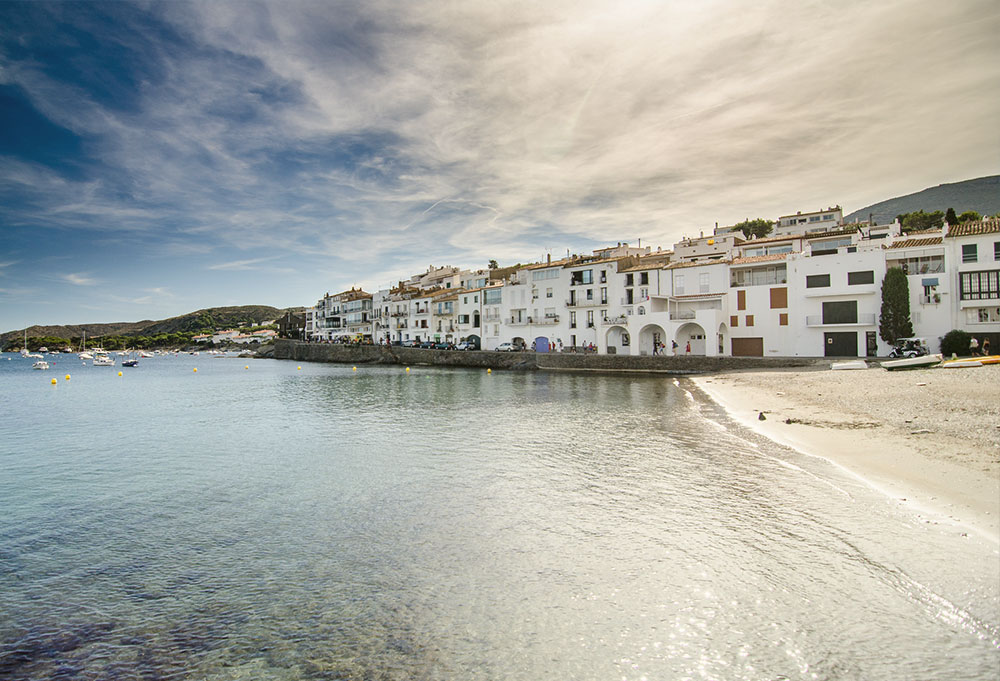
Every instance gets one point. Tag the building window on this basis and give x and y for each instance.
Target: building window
(581, 277)
(629, 279)
(604, 277)
(572, 319)
(548, 293)
(927, 264)
(741, 300)
(979, 285)
(604, 295)
(817, 280)
(625, 339)
(590, 319)
(590, 294)
(734, 321)
(779, 298)
(856, 278)
(492, 297)
(840, 312)
(644, 279)
(749, 320)
(679, 284)
(783, 319)
(703, 282)
(969, 253)
(996, 250)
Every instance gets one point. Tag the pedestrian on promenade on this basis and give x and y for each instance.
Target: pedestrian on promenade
(674, 345)
(986, 347)
(687, 350)
(973, 346)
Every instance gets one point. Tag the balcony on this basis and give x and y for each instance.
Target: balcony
(400, 314)
(867, 319)
(682, 314)
(544, 321)
(514, 321)
(583, 303)
(934, 299)
(620, 319)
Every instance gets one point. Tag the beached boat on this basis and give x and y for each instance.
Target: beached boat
(990, 359)
(965, 363)
(912, 363)
(103, 359)
(849, 365)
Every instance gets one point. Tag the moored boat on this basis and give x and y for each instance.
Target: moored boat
(41, 364)
(103, 359)
(921, 362)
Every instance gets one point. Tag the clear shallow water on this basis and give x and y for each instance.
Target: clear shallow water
(321, 523)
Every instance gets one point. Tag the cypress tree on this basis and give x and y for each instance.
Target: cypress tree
(894, 320)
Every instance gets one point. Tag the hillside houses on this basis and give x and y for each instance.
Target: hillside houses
(814, 291)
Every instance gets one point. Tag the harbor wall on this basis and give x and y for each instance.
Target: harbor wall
(523, 361)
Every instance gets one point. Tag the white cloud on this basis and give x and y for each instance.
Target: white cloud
(80, 279)
(239, 264)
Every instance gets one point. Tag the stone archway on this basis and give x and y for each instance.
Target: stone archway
(651, 337)
(694, 334)
(618, 341)
(722, 340)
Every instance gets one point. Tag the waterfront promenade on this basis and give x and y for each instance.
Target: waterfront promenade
(525, 361)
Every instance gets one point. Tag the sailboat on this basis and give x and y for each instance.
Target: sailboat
(83, 351)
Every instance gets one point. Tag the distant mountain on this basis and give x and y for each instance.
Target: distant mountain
(209, 318)
(981, 194)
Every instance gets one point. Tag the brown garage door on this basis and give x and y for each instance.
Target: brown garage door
(748, 347)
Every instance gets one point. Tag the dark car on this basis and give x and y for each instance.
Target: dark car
(427, 345)
(442, 346)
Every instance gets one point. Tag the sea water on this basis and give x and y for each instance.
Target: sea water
(261, 519)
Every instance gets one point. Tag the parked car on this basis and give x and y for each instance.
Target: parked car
(506, 347)
(442, 346)
(427, 345)
(465, 345)
(910, 347)
(410, 343)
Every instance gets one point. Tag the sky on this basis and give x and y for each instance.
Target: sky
(161, 157)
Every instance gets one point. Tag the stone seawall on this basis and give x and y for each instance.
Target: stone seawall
(524, 361)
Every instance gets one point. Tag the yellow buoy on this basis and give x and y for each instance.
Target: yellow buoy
(354, 368)
(120, 373)
(67, 377)
(489, 371)
(298, 368)
(54, 381)
(407, 369)
(247, 366)
(195, 370)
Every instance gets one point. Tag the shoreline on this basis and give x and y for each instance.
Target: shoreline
(912, 436)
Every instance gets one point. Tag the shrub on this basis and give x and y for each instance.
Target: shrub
(955, 342)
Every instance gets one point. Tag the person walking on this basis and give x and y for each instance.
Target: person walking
(687, 350)
(674, 344)
(986, 347)
(973, 346)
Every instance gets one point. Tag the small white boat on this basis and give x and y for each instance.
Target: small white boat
(921, 362)
(850, 364)
(40, 365)
(961, 363)
(85, 355)
(102, 359)
(145, 354)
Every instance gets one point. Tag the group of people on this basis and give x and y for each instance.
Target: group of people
(974, 348)
(661, 348)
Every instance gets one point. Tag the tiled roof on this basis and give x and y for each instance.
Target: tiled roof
(834, 232)
(770, 257)
(916, 243)
(679, 265)
(974, 228)
(772, 239)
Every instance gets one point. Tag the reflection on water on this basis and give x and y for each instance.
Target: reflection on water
(332, 524)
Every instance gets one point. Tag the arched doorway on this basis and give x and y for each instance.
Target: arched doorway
(475, 319)
(723, 339)
(519, 343)
(695, 335)
(475, 341)
(618, 341)
(651, 337)
(541, 344)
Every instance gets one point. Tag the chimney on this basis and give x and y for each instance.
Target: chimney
(548, 258)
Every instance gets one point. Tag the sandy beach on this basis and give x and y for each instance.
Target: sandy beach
(928, 438)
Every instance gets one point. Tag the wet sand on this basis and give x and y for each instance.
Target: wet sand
(929, 438)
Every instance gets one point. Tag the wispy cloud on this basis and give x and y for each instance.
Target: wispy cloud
(375, 136)
(240, 264)
(80, 279)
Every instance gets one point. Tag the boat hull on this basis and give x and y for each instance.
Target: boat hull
(924, 362)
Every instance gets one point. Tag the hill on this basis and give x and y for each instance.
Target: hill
(981, 194)
(207, 319)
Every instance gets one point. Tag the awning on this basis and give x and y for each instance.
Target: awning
(929, 281)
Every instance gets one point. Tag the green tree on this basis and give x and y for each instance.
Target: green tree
(894, 319)
(950, 217)
(955, 342)
(494, 265)
(919, 221)
(755, 229)
(969, 216)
